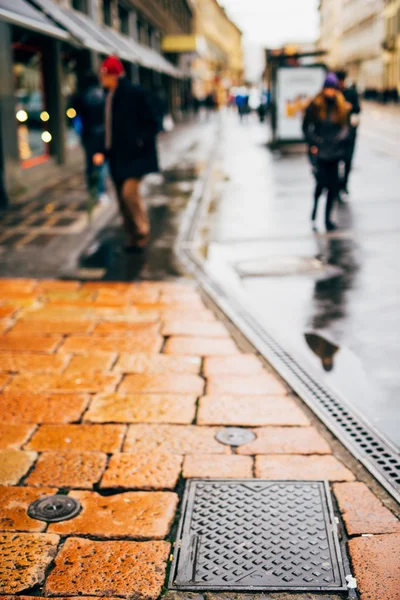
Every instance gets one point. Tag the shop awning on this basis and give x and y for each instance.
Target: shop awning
(104, 39)
(83, 29)
(156, 61)
(19, 12)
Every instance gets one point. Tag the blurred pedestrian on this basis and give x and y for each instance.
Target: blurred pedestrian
(89, 107)
(242, 102)
(211, 103)
(130, 145)
(160, 106)
(326, 130)
(351, 95)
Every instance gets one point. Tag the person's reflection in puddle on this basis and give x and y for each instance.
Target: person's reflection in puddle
(322, 348)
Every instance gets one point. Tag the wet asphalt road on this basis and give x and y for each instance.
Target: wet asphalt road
(331, 299)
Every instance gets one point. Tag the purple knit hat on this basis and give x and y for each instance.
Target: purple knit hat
(331, 81)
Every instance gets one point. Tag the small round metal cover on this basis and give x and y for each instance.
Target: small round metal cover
(235, 436)
(53, 509)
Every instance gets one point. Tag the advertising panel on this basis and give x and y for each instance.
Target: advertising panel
(296, 87)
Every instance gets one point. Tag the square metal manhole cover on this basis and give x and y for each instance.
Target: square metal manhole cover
(243, 535)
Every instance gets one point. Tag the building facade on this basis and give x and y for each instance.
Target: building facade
(47, 47)
(362, 51)
(391, 46)
(331, 31)
(352, 33)
(215, 50)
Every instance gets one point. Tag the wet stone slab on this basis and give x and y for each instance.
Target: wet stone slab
(139, 515)
(31, 552)
(126, 569)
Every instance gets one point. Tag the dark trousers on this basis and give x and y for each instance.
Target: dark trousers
(95, 176)
(133, 211)
(348, 162)
(327, 176)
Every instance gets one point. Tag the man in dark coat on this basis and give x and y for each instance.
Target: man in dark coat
(351, 95)
(325, 128)
(130, 145)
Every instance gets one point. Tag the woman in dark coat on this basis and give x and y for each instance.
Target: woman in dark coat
(130, 144)
(326, 130)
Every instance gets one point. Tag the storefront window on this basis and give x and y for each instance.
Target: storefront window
(30, 109)
(70, 86)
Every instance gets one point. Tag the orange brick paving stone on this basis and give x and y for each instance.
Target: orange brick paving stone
(14, 505)
(130, 295)
(198, 346)
(126, 328)
(147, 471)
(53, 326)
(78, 438)
(68, 469)
(245, 364)
(135, 342)
(212, 329)
(17, 342)
(250, 411)
(21, 597)
(302, 468)
(4, 380)
(362, 511)
(52, 285)
(17, 285)
(140, 515)
(94, 313)
(186, 314)
(127, 569)
(6, 311)
(377, 566)
(71, 382)
(142, 408)
(176, 304)
(27, 363)
(14, 436)
(14, 464)
(67, 296)
(286, 440)
(169, 383)
(118, 286)
(91, 362)
(174, 439)
(24, 558)
(31, 407)
(260, 385)
(209, 465)
(157, 363)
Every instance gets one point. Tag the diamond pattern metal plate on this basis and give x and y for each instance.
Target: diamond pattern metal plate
(243, 535)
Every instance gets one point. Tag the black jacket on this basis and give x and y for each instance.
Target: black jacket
(90, 108)
(133, 151)
(351, 96)
(326, 127)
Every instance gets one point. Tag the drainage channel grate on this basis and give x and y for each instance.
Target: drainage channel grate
(366, 445)
(243, 535)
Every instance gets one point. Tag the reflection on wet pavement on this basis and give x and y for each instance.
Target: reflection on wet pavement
(262, 245)
(166, 196)
(322, 348)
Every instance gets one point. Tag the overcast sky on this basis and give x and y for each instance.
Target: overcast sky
(275, 22)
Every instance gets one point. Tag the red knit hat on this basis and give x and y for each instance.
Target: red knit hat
(112, 66)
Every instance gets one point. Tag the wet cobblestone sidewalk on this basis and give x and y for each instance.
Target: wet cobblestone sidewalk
(113, 394)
